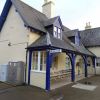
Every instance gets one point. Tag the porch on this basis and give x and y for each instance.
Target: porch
(52, 70)
(54, 65)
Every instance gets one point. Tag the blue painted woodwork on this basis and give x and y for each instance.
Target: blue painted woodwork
(85, 61)
(5, 13)
(29, 67)
(73, 67)
(72, 58)
(48, 66)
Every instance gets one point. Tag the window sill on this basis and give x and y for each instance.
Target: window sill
(36, 71)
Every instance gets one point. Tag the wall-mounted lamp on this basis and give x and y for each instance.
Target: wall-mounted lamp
(9, 44)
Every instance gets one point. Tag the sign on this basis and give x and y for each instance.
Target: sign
(56, 51)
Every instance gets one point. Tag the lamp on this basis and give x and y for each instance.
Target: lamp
(9, 44)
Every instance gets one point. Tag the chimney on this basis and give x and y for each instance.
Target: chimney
(48, 8)
(88, 26)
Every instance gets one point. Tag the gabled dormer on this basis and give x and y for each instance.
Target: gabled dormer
(54, 26)
(74, 36)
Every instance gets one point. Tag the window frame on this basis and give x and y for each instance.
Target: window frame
(57, 33)
(38, 63)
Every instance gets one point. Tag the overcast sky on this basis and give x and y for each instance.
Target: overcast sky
(74, 13)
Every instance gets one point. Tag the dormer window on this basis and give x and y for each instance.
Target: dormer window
(57, 33)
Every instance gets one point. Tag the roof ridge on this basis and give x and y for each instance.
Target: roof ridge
(90, 29)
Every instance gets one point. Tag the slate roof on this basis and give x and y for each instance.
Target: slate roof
(49, 40)
(50, 21)
(65, 28)
(81, 49)
(90, 37)
(35, 19)
(71, 33)
(30, 16)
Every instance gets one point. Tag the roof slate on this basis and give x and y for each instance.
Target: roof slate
(90, 37)
(71, 33)
(66, 28)
(35, 19)
(49, 40)
(30, 16)
(50, 21)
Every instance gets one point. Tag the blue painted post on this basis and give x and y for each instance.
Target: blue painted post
(85, 61)
(48, 65)
(29, 67)
(94, 64)
(73, 67)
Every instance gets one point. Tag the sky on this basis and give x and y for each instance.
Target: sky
(74, 13)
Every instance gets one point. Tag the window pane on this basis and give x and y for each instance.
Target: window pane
(55, 34)
(59, 35)
(55, 29)
(35, 61)
(59, 30)
(43, 61)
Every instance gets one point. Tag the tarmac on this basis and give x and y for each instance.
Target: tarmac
(67, 92)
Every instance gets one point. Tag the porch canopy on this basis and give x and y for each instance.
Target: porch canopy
(47, 41)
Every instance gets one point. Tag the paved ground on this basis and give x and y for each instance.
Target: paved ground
(8, 92)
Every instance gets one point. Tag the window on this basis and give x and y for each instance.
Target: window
(35, 60)
(43, 61)
(55, 29)
(98, 62)
(57, 32)
(39, 61)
